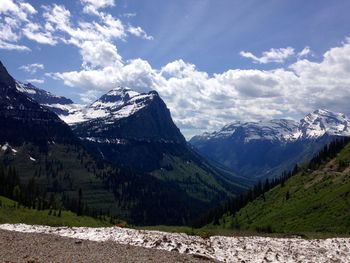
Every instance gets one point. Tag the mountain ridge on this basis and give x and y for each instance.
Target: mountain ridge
(264, 149)
(313, 125)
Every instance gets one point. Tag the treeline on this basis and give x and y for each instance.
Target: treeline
(328, 152)
(233, 205)
(236, 203)
(32, 195)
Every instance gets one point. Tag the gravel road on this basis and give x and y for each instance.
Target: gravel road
(35, 247)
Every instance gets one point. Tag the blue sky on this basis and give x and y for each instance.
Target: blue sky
(213, 62)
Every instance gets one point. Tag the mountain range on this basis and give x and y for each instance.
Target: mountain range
(128, 158)
(264, 149)
(123, 154)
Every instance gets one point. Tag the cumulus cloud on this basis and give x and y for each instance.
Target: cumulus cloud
(200, 102)
(136, 74)
(92, 6)
(99, 54)
(32, 68)
(277, 55)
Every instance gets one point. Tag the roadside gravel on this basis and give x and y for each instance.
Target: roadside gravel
(36, 247)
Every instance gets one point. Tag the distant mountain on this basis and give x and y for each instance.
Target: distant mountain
(266, 148)
(62, 106)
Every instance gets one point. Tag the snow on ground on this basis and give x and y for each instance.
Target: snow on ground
(226, 249)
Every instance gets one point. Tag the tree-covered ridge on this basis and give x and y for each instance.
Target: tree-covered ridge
(326, 173)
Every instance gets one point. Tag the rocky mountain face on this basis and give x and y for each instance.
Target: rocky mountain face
(129, 129)
(266, 148)
(122, 114)
(62, 106)
(24, 120)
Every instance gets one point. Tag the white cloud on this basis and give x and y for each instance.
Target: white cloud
(32, 68)
(27, 8)
(10, 46)
(8, 6)
(18, 9)
(7, 33)
(35, 32)
(58, 21)
(305, 52)
(35, 81)
(18, 19)
(90, 96)
(92, 6)
(99, 54)
(139, 32)
(129, 15)
(12, 15)
(277, 55)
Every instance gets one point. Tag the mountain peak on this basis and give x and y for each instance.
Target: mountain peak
(120, 93)
(324, 121)
(118, 103)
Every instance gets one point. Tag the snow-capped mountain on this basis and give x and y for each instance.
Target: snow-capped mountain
(60, 105)
(314, 125)
(262, 130)
(128, 128)
(322, 122)
(116, 104)
(267, 148)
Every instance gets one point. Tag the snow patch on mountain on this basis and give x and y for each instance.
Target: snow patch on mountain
(24, 88)
(6, 147)
(314, 125)
(320, 122)
(116, 104)
(225, 249)
(58, 104)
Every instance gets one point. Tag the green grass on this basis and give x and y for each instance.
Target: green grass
(10, 213)
(318, 204)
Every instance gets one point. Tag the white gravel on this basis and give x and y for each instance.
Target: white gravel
(226, 249)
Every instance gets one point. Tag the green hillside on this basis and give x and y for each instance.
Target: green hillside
(10, 212)
(310, 201)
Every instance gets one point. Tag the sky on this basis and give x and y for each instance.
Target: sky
(212, 61)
